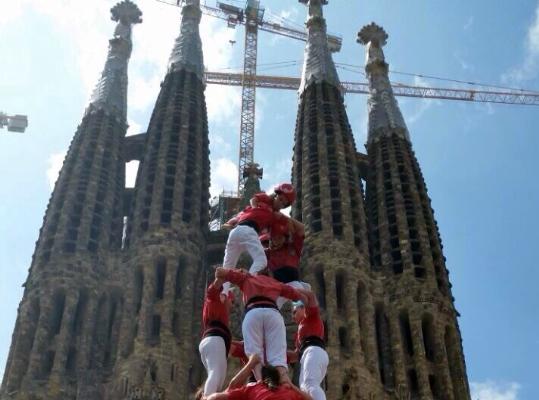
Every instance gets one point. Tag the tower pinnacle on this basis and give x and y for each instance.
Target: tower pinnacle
(385, 117)
(110, 92)
(318, 65)
(187, 51)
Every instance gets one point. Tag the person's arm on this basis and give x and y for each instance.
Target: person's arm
(296, 227)
(241, 377)
(293, 294)
(292, 356)
(312, 301)
(214, 290)
(217, 396)
(230, 275)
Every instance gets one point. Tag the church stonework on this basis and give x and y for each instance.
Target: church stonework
(112, 304)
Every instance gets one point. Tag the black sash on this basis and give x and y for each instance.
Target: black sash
(250, 223)
(286, 274)
(217, 328)
(259, 302)
(311, 341)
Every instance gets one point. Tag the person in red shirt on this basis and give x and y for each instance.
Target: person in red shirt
(216, 337)
(250, 222)
(263, 328)
(283, 252)
(310, 347)
(269, 388)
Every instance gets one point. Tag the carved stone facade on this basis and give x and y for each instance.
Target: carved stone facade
(114, 313)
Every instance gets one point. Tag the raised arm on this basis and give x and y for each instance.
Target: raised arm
(230, 275)
(241, 377)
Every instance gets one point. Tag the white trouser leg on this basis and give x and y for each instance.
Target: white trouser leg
(263, 329)
(275, 338)
(213, 355)
(281, 301)
(314, 365)
(243, 239)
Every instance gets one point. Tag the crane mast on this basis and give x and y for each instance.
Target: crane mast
(253, 18)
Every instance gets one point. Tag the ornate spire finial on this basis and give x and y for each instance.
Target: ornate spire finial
(374, 37)
(110, 92)
(187, 51)
(385, 117)
(318, 65)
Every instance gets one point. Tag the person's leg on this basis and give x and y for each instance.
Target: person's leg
(252, 329)
(314, 364)
(213, 355)
(275, 341)
(252, 245)
(233, 250)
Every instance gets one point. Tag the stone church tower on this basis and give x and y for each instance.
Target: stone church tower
(112, 304)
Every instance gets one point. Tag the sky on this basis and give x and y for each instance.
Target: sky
(478, 160)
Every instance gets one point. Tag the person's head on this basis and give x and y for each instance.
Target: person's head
(284, 196)
(271, 377)
(298, 312)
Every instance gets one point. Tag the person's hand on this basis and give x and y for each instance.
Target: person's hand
(220, 273)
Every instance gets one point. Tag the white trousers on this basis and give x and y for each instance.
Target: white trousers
(240, 240)
(213, 355)
(281, 301)
(314, 365)
(263, 329)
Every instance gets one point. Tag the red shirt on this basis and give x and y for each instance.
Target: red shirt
(260, 391)
(311, 325)
(237, 350)
(261, 215)
(288, 255)
(214, 309)
(260, 285)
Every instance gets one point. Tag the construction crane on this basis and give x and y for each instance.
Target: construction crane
(14, 123)
(253, 18)
(518, 97)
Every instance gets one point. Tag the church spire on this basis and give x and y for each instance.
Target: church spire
(110, 92)
(318, 65)
(187, 51)
(385, 117)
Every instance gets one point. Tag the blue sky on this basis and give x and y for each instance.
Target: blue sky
(479, 161)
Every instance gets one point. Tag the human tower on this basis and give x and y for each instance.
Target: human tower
(271, 281)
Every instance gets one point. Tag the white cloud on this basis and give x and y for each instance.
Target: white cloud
(134, 128)
(131, 169)
(54, 164)
(224, 176)
(490, 390)
(528, 68)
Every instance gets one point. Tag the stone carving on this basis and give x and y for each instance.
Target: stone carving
(110, 92)
(187, 51)
(385, 117)
(318, 64)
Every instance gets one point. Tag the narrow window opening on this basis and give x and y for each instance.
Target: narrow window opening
(420, 272)
(160, 274)
(57, 313)
(406, 333)
(339, 290)
(428, 337)
(413, 383)
(156, 326)
(321, 292)
(434, 389)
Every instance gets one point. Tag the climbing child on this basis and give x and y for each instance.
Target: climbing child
(248, 224)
